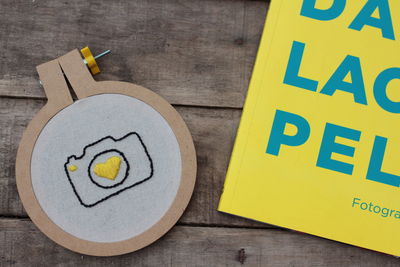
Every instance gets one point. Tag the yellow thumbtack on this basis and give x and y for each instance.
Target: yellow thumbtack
(90, 61)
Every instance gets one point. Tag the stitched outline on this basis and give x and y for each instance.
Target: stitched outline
(104, 152)
(117, 192)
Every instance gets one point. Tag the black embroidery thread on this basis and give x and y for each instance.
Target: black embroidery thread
(117, 192)
(104, 152)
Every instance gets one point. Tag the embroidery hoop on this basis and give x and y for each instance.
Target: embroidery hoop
(59, 97)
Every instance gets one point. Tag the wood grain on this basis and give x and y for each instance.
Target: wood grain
(190, 52)
(21, 244)
(213, 132)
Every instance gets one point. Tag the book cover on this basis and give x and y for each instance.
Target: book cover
(317, 148)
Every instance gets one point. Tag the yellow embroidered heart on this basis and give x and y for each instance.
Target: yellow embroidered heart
(109, 169)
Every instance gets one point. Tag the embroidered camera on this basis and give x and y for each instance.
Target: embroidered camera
(108, 167)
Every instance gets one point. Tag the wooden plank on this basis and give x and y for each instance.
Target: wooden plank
(213, 131)
(21, 244)
(190, 52)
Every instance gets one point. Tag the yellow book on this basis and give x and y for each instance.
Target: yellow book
(318, 146)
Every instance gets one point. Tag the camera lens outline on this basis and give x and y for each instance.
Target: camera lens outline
(102, 153)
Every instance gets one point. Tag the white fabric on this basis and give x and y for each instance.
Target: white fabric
(133, 210)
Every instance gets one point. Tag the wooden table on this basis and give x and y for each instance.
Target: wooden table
(198, 55)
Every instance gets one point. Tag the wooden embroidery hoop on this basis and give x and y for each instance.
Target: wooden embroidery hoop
(59, 97)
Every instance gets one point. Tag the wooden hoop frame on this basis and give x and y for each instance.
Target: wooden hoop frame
(59, 97)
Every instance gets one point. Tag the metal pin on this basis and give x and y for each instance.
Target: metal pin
(103, 54)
